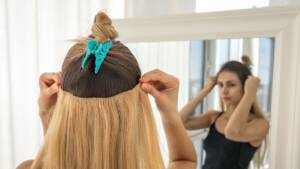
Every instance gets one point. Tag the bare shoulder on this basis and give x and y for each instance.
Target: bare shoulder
(25, 165)
(213, 114)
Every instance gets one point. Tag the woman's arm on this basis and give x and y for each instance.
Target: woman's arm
(49, 84)
(238, 128)
(181, 149)
(25, 165)
(203, 120)
(164, 88)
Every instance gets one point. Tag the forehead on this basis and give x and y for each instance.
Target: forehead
(227, 76)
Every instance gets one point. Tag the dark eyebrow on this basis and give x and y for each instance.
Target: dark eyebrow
(229, 81)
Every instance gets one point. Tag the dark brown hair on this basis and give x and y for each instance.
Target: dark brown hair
(118, 73)
(242, 70)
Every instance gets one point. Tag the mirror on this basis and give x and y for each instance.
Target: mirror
(194, 61)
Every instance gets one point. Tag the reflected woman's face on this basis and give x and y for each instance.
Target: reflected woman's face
(230, 88)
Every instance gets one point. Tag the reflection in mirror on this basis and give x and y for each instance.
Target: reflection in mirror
(194, 61)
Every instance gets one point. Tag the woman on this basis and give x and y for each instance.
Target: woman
(240, 128)
(97, 114)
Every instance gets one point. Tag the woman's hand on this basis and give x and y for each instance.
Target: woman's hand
(210, 83)
(251, 85)
(49, 84)
(163, 87)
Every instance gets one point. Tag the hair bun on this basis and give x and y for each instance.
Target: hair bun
(102, 29)
(246, 60)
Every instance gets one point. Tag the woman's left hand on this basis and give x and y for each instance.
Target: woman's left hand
(49, 85)
(251, 85)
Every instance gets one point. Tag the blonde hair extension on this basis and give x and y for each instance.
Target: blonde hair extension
(108, 133)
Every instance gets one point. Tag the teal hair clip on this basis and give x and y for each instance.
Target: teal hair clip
(99, 50)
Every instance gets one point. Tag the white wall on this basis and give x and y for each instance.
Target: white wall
(147, 8)
(284, 2)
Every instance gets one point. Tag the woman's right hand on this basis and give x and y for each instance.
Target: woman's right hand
(210, 83)
(163, 87)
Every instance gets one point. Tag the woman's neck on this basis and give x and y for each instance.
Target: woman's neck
(229, 110)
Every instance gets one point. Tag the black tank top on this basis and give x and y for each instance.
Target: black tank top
(222, 153)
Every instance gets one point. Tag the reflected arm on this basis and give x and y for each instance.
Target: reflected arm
(196, 122)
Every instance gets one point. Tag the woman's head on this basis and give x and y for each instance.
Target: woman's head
(101, 120)
(119, 71)
(231, 79)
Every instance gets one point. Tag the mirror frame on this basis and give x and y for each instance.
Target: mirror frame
(281, 23)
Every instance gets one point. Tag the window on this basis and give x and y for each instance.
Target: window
(216, 5)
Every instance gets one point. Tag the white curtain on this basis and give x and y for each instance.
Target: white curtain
(33, 39)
